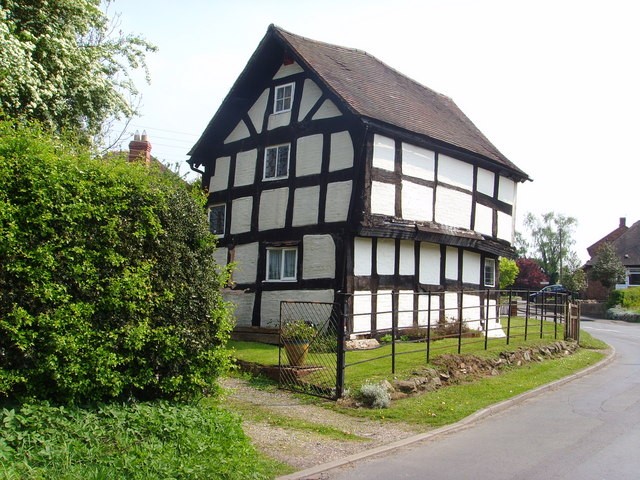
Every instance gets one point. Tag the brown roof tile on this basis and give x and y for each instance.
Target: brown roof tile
(374, 90)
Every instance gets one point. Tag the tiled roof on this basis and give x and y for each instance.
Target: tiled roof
(628, 246)
(372, 89)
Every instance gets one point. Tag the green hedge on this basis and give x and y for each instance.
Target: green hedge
(108, 287)
(628, 298)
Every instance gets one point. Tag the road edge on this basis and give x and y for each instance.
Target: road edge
(308, 473)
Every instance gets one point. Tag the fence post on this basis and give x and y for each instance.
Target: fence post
(428, 325)
(526, 315)
(486, 321)
(509, 315)
(460, 311)
(394, 328)
(340, 364)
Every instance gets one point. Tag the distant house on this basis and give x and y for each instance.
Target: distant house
(330, 173)
(626, 242)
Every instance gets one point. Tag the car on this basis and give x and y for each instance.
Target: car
(549, 291)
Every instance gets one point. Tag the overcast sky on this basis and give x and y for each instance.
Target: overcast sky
(554, 85)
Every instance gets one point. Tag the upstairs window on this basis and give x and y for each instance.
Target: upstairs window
(217, 214)
(276, 162)
(282, 264)
(489, 272)
(283, 98)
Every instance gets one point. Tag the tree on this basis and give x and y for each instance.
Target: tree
(607, 268)
(575, 280)
(552, 240)
(508, 272)
(520, 245)
(108, 284)
(530, 276)
(61, 63)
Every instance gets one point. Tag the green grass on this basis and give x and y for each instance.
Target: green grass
(133, 441)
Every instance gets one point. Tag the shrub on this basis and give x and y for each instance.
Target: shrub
(374, 395)
(628, 298)
(108, 287)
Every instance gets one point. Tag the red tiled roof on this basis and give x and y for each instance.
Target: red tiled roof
(374, 90)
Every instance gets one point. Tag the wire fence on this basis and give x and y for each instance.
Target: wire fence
(407, 323)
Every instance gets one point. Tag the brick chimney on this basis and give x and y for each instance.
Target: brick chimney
(140, 148)
(623, 221)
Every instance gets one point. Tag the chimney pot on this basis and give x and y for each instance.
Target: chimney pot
(140, 148)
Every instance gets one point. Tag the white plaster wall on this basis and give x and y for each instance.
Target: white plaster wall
(362, 249)
(240, 132)
(484, 220)
(273, 209)
(319, 257)
(453, 208)
(383, 198)
(287, 70)
(486, 180)
(243, 303)
(341, 154)
(338, 201)
(270, 308)
(493, 322)
(417, 202)
(407, 258)
(451, 264)
(241, 209)
(384, 152)
(246, 260)
(450, 306)
(507, 190)
(428, 316)
(277, 120)
(429, 263)
(455, 172)
(470, 267)
(386, 256)
(471, 311)
(384, 309)
(311, 93)
(328, 109)
(220, 181)
(245, 168)
(258, 109)
(405, 308)
(418, 162)
(305, 206)
(309, 155)
(361, 312)
(220, 256)
(505, 227)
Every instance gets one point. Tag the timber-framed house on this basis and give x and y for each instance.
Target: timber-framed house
(330, 173)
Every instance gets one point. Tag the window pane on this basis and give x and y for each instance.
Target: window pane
(289, 264)
(283, 161)
(274, 259)
(270, 163)
(216, 219)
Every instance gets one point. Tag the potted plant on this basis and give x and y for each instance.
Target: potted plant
(296, 336)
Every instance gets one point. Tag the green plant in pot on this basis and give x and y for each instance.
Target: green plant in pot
(296, 336)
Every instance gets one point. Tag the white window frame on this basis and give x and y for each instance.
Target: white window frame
(224, 218)
(282, 276)
(489, 267)
(282, 108)
(277, 150)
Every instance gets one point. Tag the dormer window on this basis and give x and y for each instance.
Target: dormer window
(283, 98)
(276, 162)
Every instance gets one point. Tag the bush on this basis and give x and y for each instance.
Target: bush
(374, 395)
(628, 298)
(136, 441)
(108, 287)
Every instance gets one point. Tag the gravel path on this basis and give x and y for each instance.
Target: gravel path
(300, 448)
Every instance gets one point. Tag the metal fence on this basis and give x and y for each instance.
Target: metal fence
(463, 319)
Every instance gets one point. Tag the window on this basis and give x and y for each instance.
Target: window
(489, 272)
(282, 264)
(283, 98)
(217, 214)
(276, 162)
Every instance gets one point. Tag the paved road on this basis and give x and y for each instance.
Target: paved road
(586, 429)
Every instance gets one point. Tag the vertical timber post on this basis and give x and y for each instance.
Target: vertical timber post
(340, 352)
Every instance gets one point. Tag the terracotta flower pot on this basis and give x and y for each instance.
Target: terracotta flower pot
(296, 351)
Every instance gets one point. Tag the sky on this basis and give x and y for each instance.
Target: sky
(554, 85)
